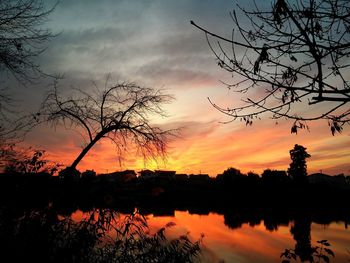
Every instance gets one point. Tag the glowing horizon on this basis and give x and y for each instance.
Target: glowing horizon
(203, 148)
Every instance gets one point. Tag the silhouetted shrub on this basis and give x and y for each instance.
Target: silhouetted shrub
(319, 253)
(69, 174)
(88, 175)
(274, 176)
(230, 176)
(30, 161)
(102, 235)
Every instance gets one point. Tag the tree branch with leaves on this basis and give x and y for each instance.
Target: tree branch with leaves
(297, 52)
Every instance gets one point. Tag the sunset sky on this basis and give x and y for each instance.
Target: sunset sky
(153, 44)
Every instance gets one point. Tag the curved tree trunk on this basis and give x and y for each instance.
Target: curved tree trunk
(85, 150)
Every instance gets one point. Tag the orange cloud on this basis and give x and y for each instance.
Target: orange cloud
(262, 146)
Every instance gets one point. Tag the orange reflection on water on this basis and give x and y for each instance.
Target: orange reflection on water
(248, 243)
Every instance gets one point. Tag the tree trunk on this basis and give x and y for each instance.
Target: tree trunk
(85, 150)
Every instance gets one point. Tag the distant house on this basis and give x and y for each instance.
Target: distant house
(320, 178)
(200, 177)
(88, 175)
(165, 174)
(274, 173)
(160, 174)
(69, 175)
(181, 176)
(122, 177)
(146, 174)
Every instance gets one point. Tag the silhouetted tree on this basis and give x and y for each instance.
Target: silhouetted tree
(290, 55)
(253, 175)
(7, 153)
(120, 113)
(304, 250)
(22, 37)
(230, 177)
(253, 178)
(274, 176)
(298, 169)
(230, 174)
(22, 40)
(28, 161)
(301, 231)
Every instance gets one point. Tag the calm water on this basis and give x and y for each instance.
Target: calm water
(256, 243)
(245, 236)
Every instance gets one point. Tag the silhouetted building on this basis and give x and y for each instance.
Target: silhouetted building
(336, 180)
(181, 176)
(157, 174)
(146, 173)
(88, 175)
(123, 176)
(165, 174)
(69, 174)
(199, 177)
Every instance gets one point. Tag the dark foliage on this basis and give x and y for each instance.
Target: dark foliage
(319, 253)
(101, 235)
(298, 169)
(27, 161)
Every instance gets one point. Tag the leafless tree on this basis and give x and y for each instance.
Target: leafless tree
(22, 40)
(22, 37)
(295, 54)
(120, 113)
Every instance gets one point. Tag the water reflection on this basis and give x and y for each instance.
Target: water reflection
(301, 231)
(100, 235)
(261, 235)
(58, 233)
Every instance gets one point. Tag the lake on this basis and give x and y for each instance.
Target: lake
(254, 243)
(239, 237)
(53, 221)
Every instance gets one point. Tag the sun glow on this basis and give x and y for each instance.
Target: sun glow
(211, 148)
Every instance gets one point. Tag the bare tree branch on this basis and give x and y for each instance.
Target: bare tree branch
(22, 37)
(298, 53)
(22, 40)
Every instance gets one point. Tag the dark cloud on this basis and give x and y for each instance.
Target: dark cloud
(165, 75)
(149, 41)
(174, 58)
